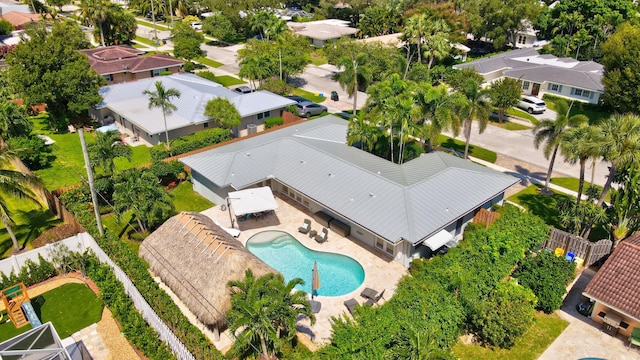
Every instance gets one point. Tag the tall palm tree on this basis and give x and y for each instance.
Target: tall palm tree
(106, 149)
(437, 40)
(262, 310)
(440, 110)
(362, 132)
(274, 30)
(619, 142)
(415, 29)
(576, 147)
(478, 108)
(161, 98)
(96, 12)
(551, 131)
(354, 74)
(17, 185)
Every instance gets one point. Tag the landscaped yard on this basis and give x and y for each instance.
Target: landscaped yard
(573, 183)
(70, 308)
(309, 95)
(595, 113)
(511, 126)
(475, 151)
(227, 80)
(145, 41)
(208, 62)
(31, 221)
(522, 114)
(150, 24)
(317, 58)
(529, 346)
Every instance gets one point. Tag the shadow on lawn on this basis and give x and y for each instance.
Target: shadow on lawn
(544, 206)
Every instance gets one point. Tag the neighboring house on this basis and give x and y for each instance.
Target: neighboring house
(406, 211)
(19, 19)
(127, 105)
(527, 37)
(322, 31)
(122, 63)
(540, 74)
(459, 51)
(6, 7)
(615, 289)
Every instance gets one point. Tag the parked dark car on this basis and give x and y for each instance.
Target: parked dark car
(309, 108)
(243, 89)
(298, 99)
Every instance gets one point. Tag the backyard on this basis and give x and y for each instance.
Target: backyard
(61, 307)
(31, 220)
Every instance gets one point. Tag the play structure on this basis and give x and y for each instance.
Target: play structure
(18, 305)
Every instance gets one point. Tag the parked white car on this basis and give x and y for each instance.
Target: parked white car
(196, 25)
(532, 105)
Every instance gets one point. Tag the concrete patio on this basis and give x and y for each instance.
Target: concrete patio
(381, 272)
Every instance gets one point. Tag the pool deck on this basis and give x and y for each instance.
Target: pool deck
(381, 272)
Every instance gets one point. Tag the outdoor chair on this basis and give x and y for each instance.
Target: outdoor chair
(351, 305)
(306, 226)
(372, 295)
(634, 339)
(322, 237)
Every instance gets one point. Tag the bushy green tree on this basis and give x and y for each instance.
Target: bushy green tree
(547, 276)
(260, 59)
(32, 151)
(5, 27)
(621, 79)
(505, 93)
(504, 315)
(220, 27)
(14, 120)
(223, 112)
(186, 41)
(48, 69)
(106, 149)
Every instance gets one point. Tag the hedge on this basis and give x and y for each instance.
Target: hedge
(31, 273)
(191, 142)
(274, 121)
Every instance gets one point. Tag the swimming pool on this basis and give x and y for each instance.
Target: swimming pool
(339, 274)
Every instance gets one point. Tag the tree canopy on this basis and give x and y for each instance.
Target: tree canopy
(260, 59)
(48, 69)
(621, 79)
(186, 41)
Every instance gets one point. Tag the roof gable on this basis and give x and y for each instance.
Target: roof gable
(617, 283)
(123, 58)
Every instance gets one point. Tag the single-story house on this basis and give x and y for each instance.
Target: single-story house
(540, 74)
(406, 211)
(321, 32)
(20, 19)
(127, 105)
(122, 63)
(6, 7)
(615, 289)
(198, 267)
(459, 51)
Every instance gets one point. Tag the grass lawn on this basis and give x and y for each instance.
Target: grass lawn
(31, 221)
(139, 46)
(522, 114)
(68, 167)
(227, 80)
(528, 347)
(150, 24)
(572, 184)
(185, 199)
(475, 151)
(309, 95)
(208, 62)
(318, 59)
(511, 126)
(595, 113)
(61, 307)
(145, 41)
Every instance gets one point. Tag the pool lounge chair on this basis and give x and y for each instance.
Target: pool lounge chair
(306, 226)
(351, 305)
(322, 237)
(372, 296)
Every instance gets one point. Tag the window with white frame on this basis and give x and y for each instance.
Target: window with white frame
(586, 93)
(577, 92)
(554, 87)
(525, 85)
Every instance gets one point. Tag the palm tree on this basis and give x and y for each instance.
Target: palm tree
(362, 132)
(355, 73)
(106, 149)
(223, 112)
(415, 29)
(17, 185)
(96, 12)
(274, 30)
(437, 41)
(262, 310)
(478, 108)
(619, 141)
(416, 344)
(551, 131)
(440, 112)
(161, 98)
(576, 147)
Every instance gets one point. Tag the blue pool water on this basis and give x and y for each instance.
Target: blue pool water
(339, 274)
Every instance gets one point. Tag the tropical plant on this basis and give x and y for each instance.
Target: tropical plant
(223, 112)
(440, 111)
(14, 184)
(161, 98)
(580, 218)
(186, 41)
(414, 30)
(354, 71)
(551, 132)
(505, 93)
(263, 312)
(576, 145)
(625, 204)
(95, 13)
(436, 42)
(362, 132)
(13, 121)
(417, 344)
(106, 149)
(139, 191)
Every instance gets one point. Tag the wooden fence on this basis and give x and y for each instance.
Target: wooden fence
(484, 216)
(590, 252)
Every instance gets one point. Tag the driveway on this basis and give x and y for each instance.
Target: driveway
(583, 338)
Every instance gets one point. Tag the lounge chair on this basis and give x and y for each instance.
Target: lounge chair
(306, 226)
(372, 295)
(351, 305)
(322, 237)
(634, 339)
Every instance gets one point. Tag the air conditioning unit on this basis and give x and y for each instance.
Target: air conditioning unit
(252, 129)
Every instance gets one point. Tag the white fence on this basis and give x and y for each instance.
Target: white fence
(82, 242)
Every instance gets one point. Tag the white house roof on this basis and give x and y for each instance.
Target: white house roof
(128, 100)
(527, 64)
(323, 29)
(412, 201)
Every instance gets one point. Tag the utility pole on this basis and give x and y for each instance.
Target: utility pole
(92, 188)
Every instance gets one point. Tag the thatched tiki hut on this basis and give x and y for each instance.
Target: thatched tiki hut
(196, 258)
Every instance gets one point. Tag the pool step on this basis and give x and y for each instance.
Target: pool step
(281, 242)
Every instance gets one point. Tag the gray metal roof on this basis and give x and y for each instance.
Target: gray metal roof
(410, 201)
(527, 64)
(128, 100)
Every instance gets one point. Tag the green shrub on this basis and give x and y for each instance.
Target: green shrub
(5, 27)
(274, 121)
(207, 75)
(165, 73)
(32, 151)
(547, 276)
(276, 86)
(30, 273)
(190, 142)
(167, 171)
(188, 66)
